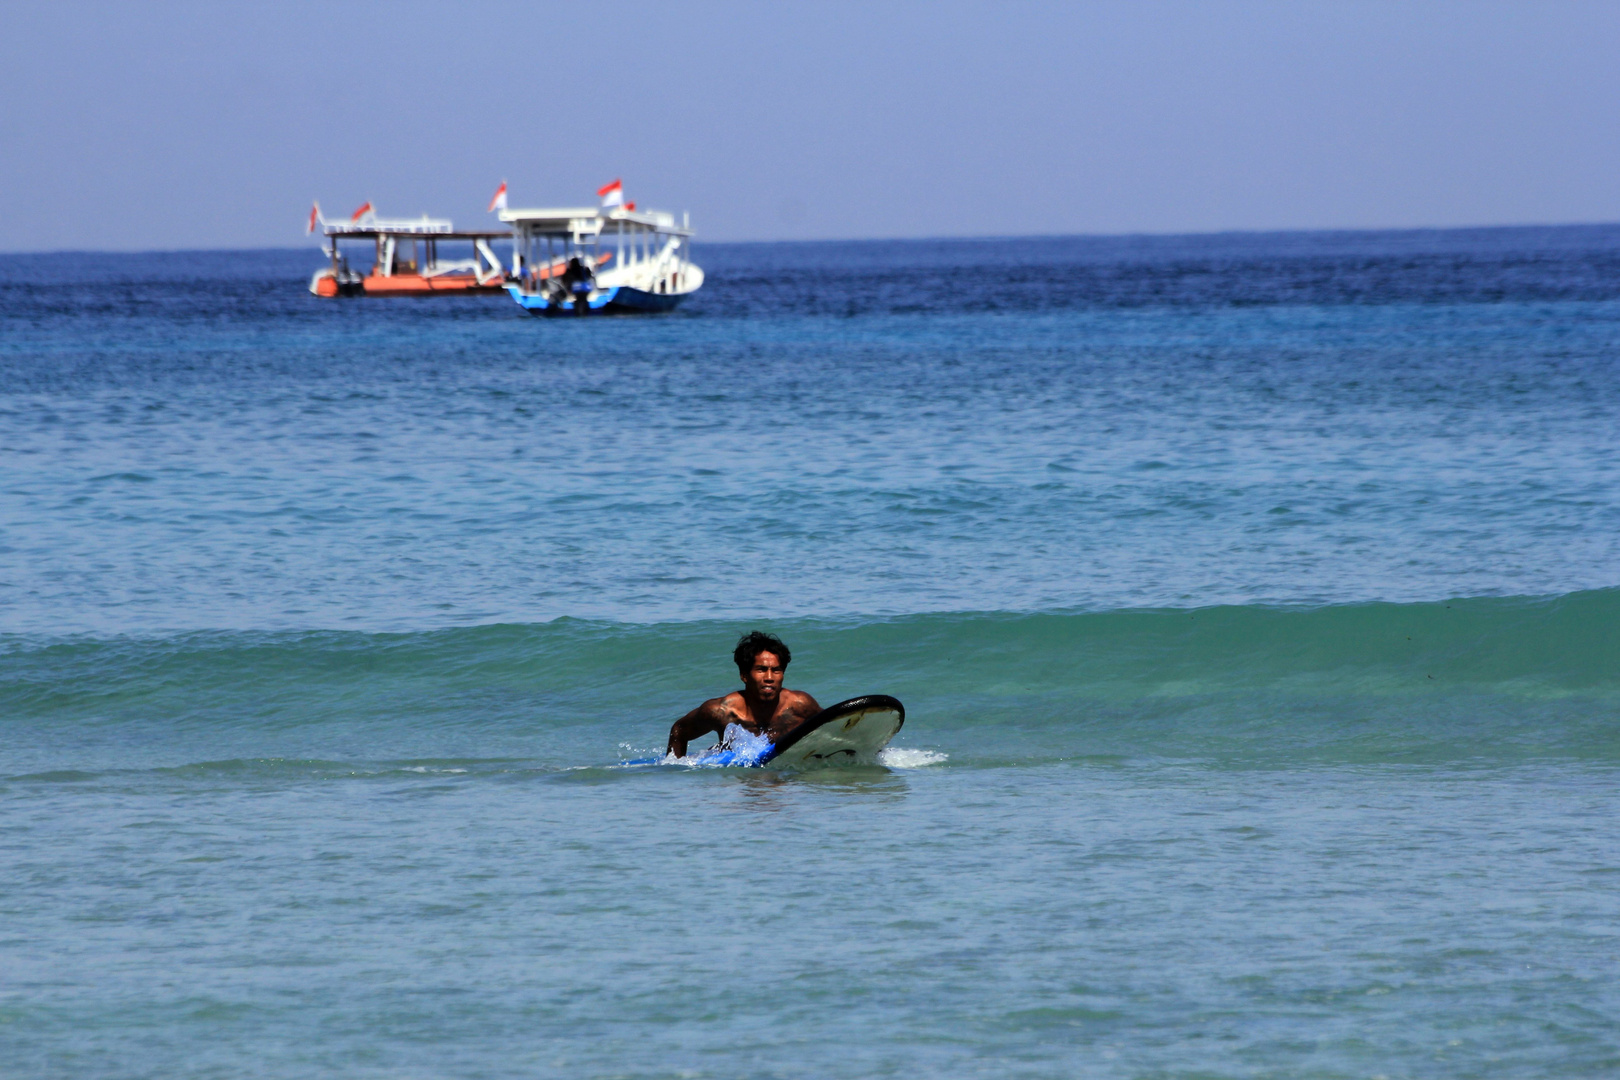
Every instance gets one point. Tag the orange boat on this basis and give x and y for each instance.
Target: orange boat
(407, 260)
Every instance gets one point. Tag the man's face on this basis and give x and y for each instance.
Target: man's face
(764, 679)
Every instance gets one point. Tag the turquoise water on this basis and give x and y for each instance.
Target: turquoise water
(1253, 600)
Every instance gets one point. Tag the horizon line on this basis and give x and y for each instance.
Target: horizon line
(959, 237)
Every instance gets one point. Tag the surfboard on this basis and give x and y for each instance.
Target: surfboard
(848, 733)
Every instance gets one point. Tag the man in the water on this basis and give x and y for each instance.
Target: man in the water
(762, 707)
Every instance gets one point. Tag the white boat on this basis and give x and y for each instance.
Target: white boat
(407, 259)
(582, 260)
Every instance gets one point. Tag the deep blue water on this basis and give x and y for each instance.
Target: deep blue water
(1253, 598)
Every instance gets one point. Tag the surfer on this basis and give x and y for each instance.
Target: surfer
(762, 707)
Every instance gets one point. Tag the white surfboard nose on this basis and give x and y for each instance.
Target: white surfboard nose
(850, 732)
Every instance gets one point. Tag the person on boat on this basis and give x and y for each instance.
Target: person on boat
(576, 279)
(762, 707)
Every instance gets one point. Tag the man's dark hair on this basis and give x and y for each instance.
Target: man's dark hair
(751, 644)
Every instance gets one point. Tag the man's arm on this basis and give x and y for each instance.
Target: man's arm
(707, 717)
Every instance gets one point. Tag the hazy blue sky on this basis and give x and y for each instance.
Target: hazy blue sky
(214, 124)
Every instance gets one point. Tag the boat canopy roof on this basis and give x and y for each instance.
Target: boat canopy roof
(358, 231)
(590, 220)
(369, 223)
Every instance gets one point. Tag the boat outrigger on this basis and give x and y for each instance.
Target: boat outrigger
(407, 257)
(608, 259)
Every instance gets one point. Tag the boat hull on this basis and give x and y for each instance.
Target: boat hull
(404, 285)
(618, 300)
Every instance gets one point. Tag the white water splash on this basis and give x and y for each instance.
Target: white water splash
(738, 746)
(905, 757)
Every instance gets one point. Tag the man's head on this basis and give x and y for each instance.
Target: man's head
(761, 660)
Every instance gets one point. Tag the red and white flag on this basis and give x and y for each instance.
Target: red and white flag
(498, 202)
(365, 209)
(612, 194)
(314, 216)
(630, 206)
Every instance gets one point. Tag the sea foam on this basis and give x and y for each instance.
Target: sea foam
(907, 757)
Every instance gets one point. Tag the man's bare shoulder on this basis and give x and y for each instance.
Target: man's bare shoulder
(799, 703)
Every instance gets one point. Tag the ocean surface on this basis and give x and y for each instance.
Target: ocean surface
(1255, 600)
